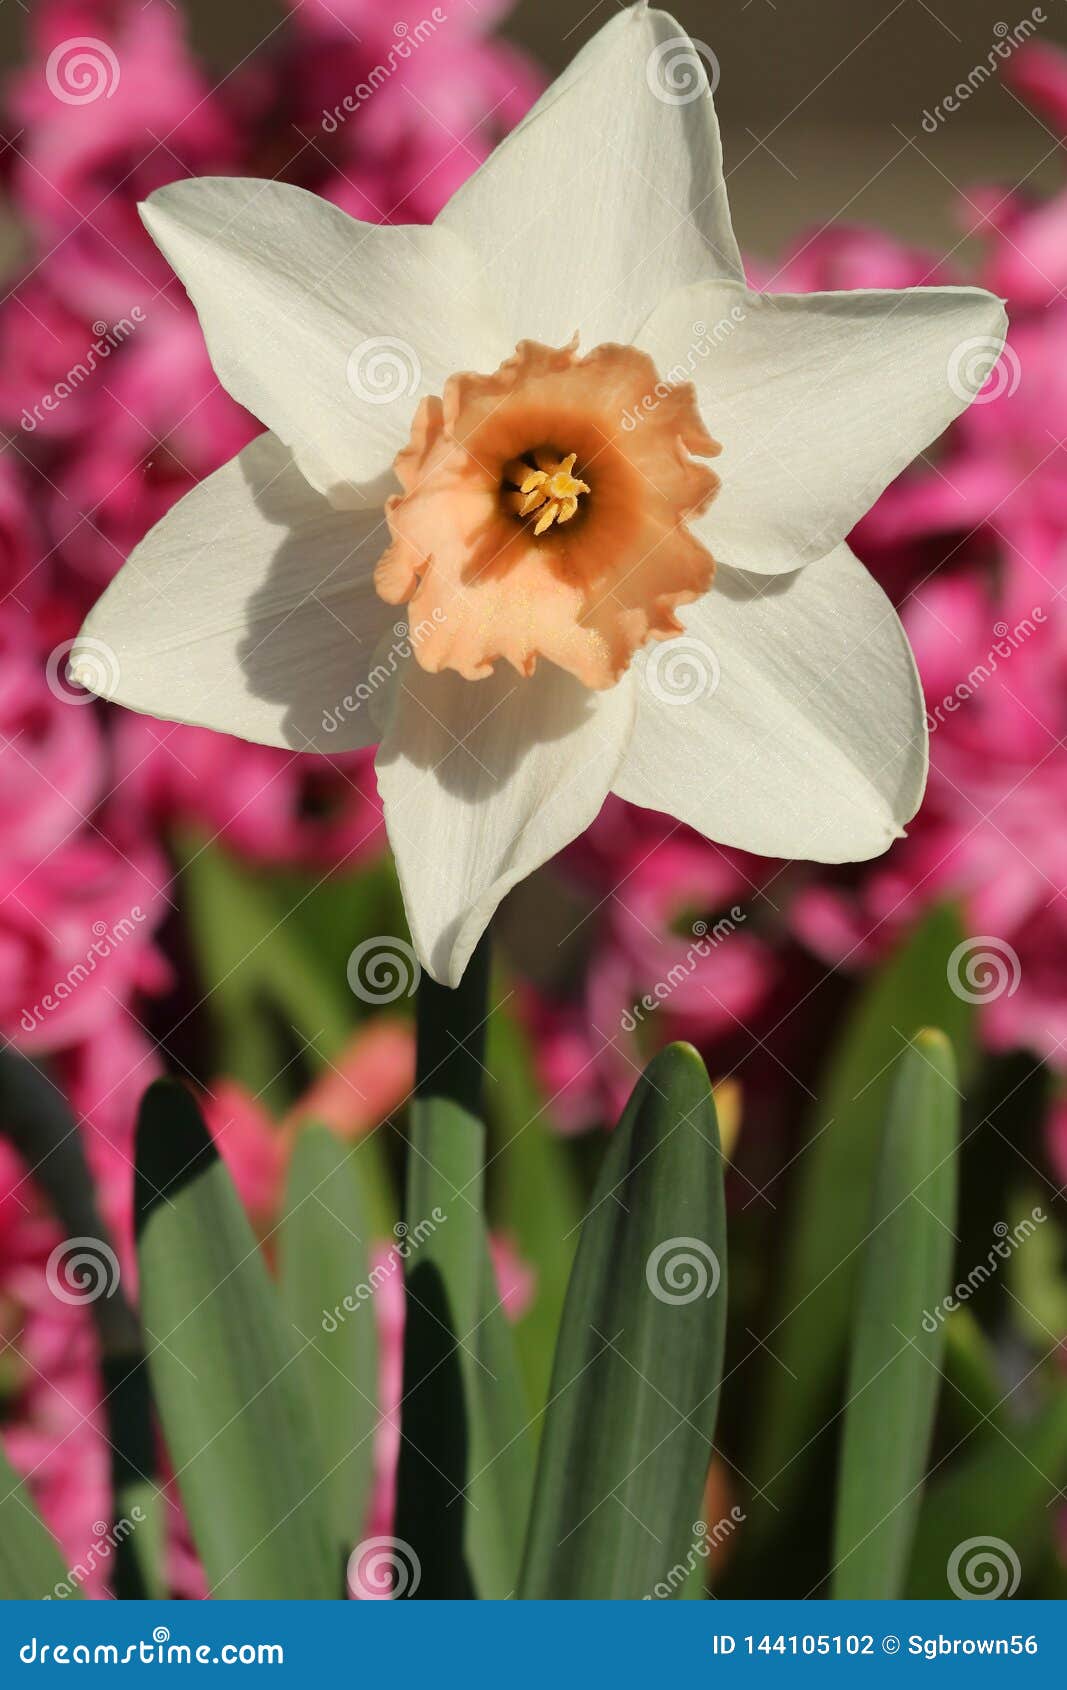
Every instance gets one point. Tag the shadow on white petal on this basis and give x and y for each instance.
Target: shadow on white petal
(475, 735)
(482, 782)
(318, 639)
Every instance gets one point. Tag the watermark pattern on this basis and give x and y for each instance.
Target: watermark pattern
(984, 968)
(1008, 1241)
(108, 339)
(1008, 38)
(705, 1539)
(406, 640)
(82, 70)
(95, 673)
(383, 968)
(409, 38)
(681, 670)
(383, 369)
(703, 343)
(983, 1569)
(679, 71)
(82, 1270)
(682, 1270)
(1007, 641)
(706, 940)
(157, 1650)
(408, 1240)
(981, 370)
(383, 1567)
(106, 941)
(106, 1539)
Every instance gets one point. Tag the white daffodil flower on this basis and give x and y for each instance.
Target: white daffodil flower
(503, 422)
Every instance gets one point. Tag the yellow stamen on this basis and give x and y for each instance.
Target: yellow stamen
(524, 478)
(551, 488)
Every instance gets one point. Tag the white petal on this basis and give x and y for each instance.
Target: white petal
(787, 720)
(818, 400)
(327, 329)
(482, 782)
(610, 193)
(250, 609)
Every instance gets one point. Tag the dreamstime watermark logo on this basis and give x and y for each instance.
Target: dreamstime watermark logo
(408, 1240)
(82, 1270)
(682, 1270)
(82, 70)
(108, 338)
(107, 938)
(703, 343)
(408, 39)
(681, 671)
(381, 1568)
(383, 369)
(1007, 39)
(383, 968)
(982, 369)
(1008, 1241)
(94, 673)
(679, 71)
(157, 1650)
(405, 641)
(106, 1541)
(705, 941)
(983, 1569)
(984, 968)
(705, 1539)
(1007, 641)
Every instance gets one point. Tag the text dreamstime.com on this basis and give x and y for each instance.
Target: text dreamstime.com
(705, 941)
(705, 1539)
(404, 644)
(1007, 40)
(409, 37)
(1008, 1241)
(107, 941)
(702, 345)
(108, 340)
(408, 1240)
(157, 1650)
(1008, 640)
(105, 1541)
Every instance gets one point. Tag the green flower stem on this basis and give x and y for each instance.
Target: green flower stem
(451, 1028)
(465, 1472)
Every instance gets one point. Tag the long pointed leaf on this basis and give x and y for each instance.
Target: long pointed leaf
(31, 1565)
(627, 1435)
(898, 1336)
(538, 1195)
(38, 1119)
(250, 955)
(326, 1288)
(225, 1374)
(836, 1175)
(991, 1514)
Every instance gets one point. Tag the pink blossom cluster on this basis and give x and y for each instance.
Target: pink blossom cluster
(111, 412)
(973, 542)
